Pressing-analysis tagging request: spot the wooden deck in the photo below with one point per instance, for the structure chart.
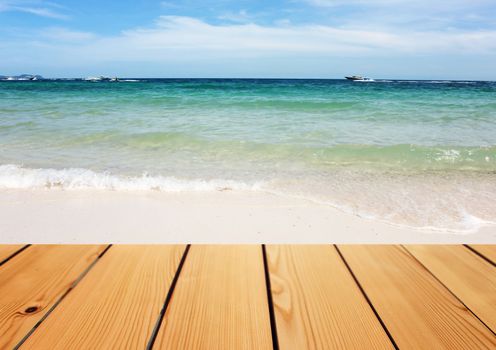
(247, 297)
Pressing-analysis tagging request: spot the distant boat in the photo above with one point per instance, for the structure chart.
(93, 79)
(359, 78)
(22, 77)
(100, 78)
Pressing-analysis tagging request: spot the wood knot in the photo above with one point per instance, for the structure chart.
(31, 309)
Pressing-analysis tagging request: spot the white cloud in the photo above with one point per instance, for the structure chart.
(38, 8)
(64, 34)
(445, 4)
(40, 11)
(184, 44)
(169, 5)
(427, 14)
(192, 35)
(186, 33)
(241, 16)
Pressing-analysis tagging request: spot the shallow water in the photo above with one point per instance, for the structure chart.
(417, 153)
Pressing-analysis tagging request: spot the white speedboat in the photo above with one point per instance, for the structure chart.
(359, 78)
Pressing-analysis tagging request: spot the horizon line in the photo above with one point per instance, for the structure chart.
(244, 78)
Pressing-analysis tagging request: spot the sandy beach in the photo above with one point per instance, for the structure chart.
(85, 216)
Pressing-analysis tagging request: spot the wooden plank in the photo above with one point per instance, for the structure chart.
(33, 281)
(118, 303)
(6, 250)
(470, 278)
(487, 250)
(419, 312)
(220, 301)
(317, 303)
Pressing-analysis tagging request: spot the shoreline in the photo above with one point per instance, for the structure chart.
(86, 216)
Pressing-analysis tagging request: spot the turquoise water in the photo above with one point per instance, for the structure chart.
(418, 153)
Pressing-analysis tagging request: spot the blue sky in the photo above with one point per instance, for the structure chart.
(422, 39)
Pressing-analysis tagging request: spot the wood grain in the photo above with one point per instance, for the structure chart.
(220, 301)
(419, 312)
(470, 278)
(33, 281)
(317, 303)
(116, 305)
(487, 250)
(6, 250)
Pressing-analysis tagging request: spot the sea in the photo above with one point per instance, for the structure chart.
(416, 153)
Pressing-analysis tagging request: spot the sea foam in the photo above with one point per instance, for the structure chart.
(17, 177)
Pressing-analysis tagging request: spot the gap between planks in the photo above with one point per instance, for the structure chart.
(34, 281)
(486, 252)
(417, 309)
(9, 251)
(266, 267)
(471, 279)
(116, 305)
(220, 301)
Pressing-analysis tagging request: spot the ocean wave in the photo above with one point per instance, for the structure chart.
(430, 202)
(17, 177)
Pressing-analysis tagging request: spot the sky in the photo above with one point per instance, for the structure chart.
(418, 39)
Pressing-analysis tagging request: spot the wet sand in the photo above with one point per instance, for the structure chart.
(59, 216)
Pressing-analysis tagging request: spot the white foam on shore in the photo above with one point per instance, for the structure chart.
(16, 177)
(468, 225)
